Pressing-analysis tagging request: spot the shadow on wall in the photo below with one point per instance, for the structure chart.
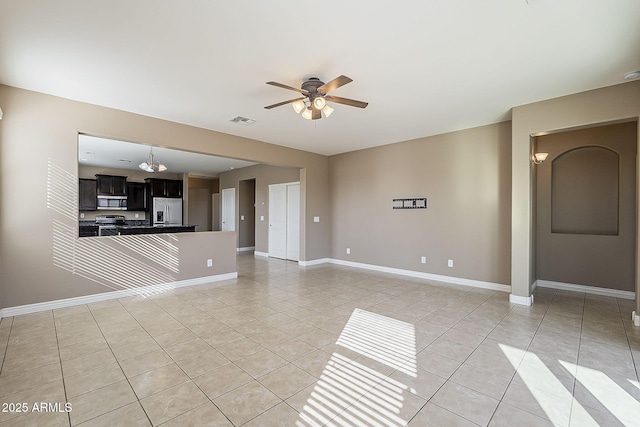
(118, 263)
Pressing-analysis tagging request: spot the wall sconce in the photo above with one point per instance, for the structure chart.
(538, 158)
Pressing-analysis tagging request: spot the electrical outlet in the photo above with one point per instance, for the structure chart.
(82, 215)
(423, 260)
(450, 263)
(209, 262)
(348, 251)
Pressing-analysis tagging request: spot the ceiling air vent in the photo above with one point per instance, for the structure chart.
(242, 121)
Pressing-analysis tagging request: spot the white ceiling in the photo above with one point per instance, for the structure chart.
(425, 67)
(94, 151)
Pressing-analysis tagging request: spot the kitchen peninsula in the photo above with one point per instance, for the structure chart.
(113, 225)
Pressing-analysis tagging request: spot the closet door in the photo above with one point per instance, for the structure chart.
(284, 221)
(278, 221)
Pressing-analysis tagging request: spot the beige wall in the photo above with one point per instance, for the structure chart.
(611, 104)
(465, 177)
(43, 130)
(585, 255)
(264, 175)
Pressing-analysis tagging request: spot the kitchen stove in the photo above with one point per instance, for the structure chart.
(107, 224)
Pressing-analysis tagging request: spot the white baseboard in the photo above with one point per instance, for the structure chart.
(635, 318)
(615, 293)
(247, 249)
(516, 299)
(314, 262)
(88, 299)
(418, 274)
(262, 254)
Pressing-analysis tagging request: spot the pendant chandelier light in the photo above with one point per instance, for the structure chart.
(150, 166)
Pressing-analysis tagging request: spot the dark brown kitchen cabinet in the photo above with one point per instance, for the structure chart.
(111, 185)
(174, 188)
(164, 187)
(157, 187)
(87, 190)
(136, 196)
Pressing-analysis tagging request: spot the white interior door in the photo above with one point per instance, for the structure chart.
(284, 221)
(278, 221)
(293, 222)
(229, 209)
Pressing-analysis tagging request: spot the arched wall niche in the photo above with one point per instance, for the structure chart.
(585, 191)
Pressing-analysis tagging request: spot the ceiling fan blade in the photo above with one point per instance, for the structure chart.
(346, 101)
(268, 107)
(334, 84)
(304, 92)
(315, 113)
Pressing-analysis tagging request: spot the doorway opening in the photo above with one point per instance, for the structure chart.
(247, 215)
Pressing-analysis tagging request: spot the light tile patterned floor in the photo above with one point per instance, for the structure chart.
(327, 345)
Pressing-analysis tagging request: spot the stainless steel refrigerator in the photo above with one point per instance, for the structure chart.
(167, 211)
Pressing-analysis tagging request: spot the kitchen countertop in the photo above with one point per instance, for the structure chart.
(154, 226)
(150, 229)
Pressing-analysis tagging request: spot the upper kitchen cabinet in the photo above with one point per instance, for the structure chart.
(88, 194)
(111, 185)
(164, 187)
(136, 196)
(174, 188)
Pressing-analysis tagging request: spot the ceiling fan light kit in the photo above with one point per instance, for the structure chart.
(319, 102)
(314, 101)
(327, 111)
(307, 114)
(298, 106)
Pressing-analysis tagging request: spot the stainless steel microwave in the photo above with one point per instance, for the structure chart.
(112, 203)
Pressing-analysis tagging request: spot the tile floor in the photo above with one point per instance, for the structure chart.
(327, 345)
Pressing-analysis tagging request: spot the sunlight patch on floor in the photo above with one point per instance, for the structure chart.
(352, 393)
(617, 401)
(549, 392)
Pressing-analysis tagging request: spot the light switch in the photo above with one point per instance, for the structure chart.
(261, 217)
(241, 217)
(316, 219)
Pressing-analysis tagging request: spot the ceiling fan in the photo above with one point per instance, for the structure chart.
(316, 96)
